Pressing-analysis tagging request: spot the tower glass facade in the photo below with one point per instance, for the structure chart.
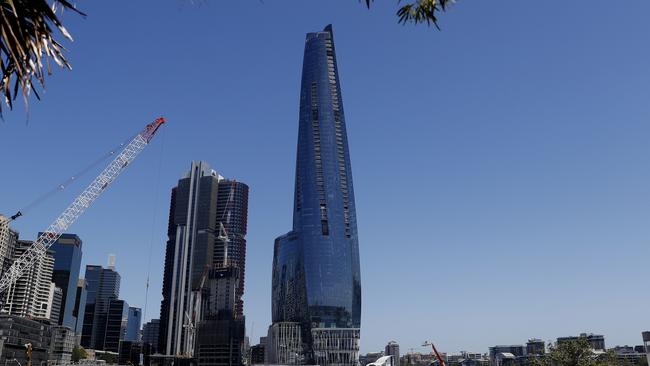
(316, 276)
(102, 286)
(204, 259)
(133, 325)
(67, 263)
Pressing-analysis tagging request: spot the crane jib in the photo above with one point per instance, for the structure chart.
(50, 235)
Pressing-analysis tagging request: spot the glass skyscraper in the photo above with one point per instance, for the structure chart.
(316, 279)
(205, 260)
(67, 264)
(103, 286)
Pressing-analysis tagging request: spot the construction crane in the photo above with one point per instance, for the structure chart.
(38, 250)
(440, 360)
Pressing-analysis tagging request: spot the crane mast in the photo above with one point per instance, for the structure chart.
(39, 249)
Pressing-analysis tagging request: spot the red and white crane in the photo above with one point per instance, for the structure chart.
(38, 250)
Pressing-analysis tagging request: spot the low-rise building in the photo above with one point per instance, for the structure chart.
(16, 332)
(597, 341)
(130, 353)
(62, 343)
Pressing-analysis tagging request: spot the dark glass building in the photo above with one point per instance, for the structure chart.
(67, 263)
(219, 342)
(150, 333)
(206, 233)
(116, 323)
(316, 276)
(232, 213)
(102, 286)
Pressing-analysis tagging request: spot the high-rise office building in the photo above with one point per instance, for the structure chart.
(190, 231)
(206, 233)
(150, 333)
(102, 286)
(32, 294)
(67, 263)
(117, 319)
(133, 325)
(316, 276)
(392, 349)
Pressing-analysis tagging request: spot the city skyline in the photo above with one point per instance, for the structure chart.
(487, 179)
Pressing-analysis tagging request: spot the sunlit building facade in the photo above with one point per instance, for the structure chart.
(316, 277)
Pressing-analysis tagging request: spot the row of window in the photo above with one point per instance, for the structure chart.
(339, 136)
(320, 181)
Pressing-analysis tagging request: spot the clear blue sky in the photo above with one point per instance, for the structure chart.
(501, 166)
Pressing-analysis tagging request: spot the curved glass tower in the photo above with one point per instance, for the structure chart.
(316, 279)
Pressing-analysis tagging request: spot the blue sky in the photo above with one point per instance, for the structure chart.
(500, 165)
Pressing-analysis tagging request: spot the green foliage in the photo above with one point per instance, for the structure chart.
(78, 353)
(28, 44)
(420, 11)
(576, 352)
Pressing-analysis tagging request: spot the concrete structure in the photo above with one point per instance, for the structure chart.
(596, 341)
(392, 349)
(628, 355)
(506, 353)
(32, 295)
(67, 264)
(316, 278)
(535, 346)
(62, 343)
(7, 245)
(15, 332)
(55, 299)
(646, 344)
(284, 344)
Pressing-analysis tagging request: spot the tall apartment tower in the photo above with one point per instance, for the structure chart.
(316, 277)
(7, 245)
(392, 349)
(207, 228)
(67, 263)
(32, 294)
(102, 286)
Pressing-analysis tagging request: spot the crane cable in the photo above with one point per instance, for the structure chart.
(153, 222)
